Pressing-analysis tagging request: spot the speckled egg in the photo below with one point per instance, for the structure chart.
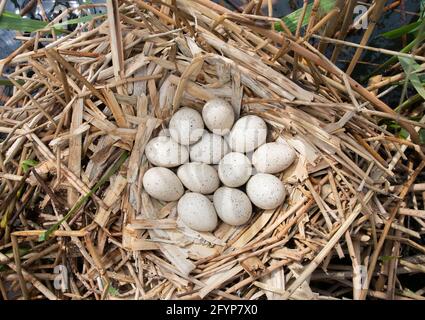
(199, 177)
(234, 169)
(273, 157)
(165, 152)
(210, 149)
(248, 133)
(266, 191)
(218, 116)
(162, 184)
(197, 212)
(186, 126)
(232, 206)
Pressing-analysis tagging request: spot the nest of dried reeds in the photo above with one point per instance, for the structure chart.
(72, 161)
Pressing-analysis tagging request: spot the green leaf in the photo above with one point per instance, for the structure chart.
(4, 82)
(113, 291)
(45, 235)
(422, 7)
(412, 100)
(291, 20)
(11, 21)
(409, 65)
(397, 33)
(394, 126)
(26, 164)
(76, 21)
(422, 136)
(387, 258)
(403, 134)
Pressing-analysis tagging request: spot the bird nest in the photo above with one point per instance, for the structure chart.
(72, 159)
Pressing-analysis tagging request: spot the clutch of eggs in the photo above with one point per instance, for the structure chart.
(206, 153)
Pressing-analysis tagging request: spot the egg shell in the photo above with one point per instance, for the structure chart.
(248, 133)
(197, 212)
(186, 126)
(210, 149)
(164, 133)
(165, 152)
(162, 184)
(232, 206)
(218, 116)
(198, 177)
(234, 169)
(266, 191)
(273, 157)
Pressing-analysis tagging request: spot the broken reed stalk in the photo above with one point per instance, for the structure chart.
(313, 15)
(348, 17)
(376, 252)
